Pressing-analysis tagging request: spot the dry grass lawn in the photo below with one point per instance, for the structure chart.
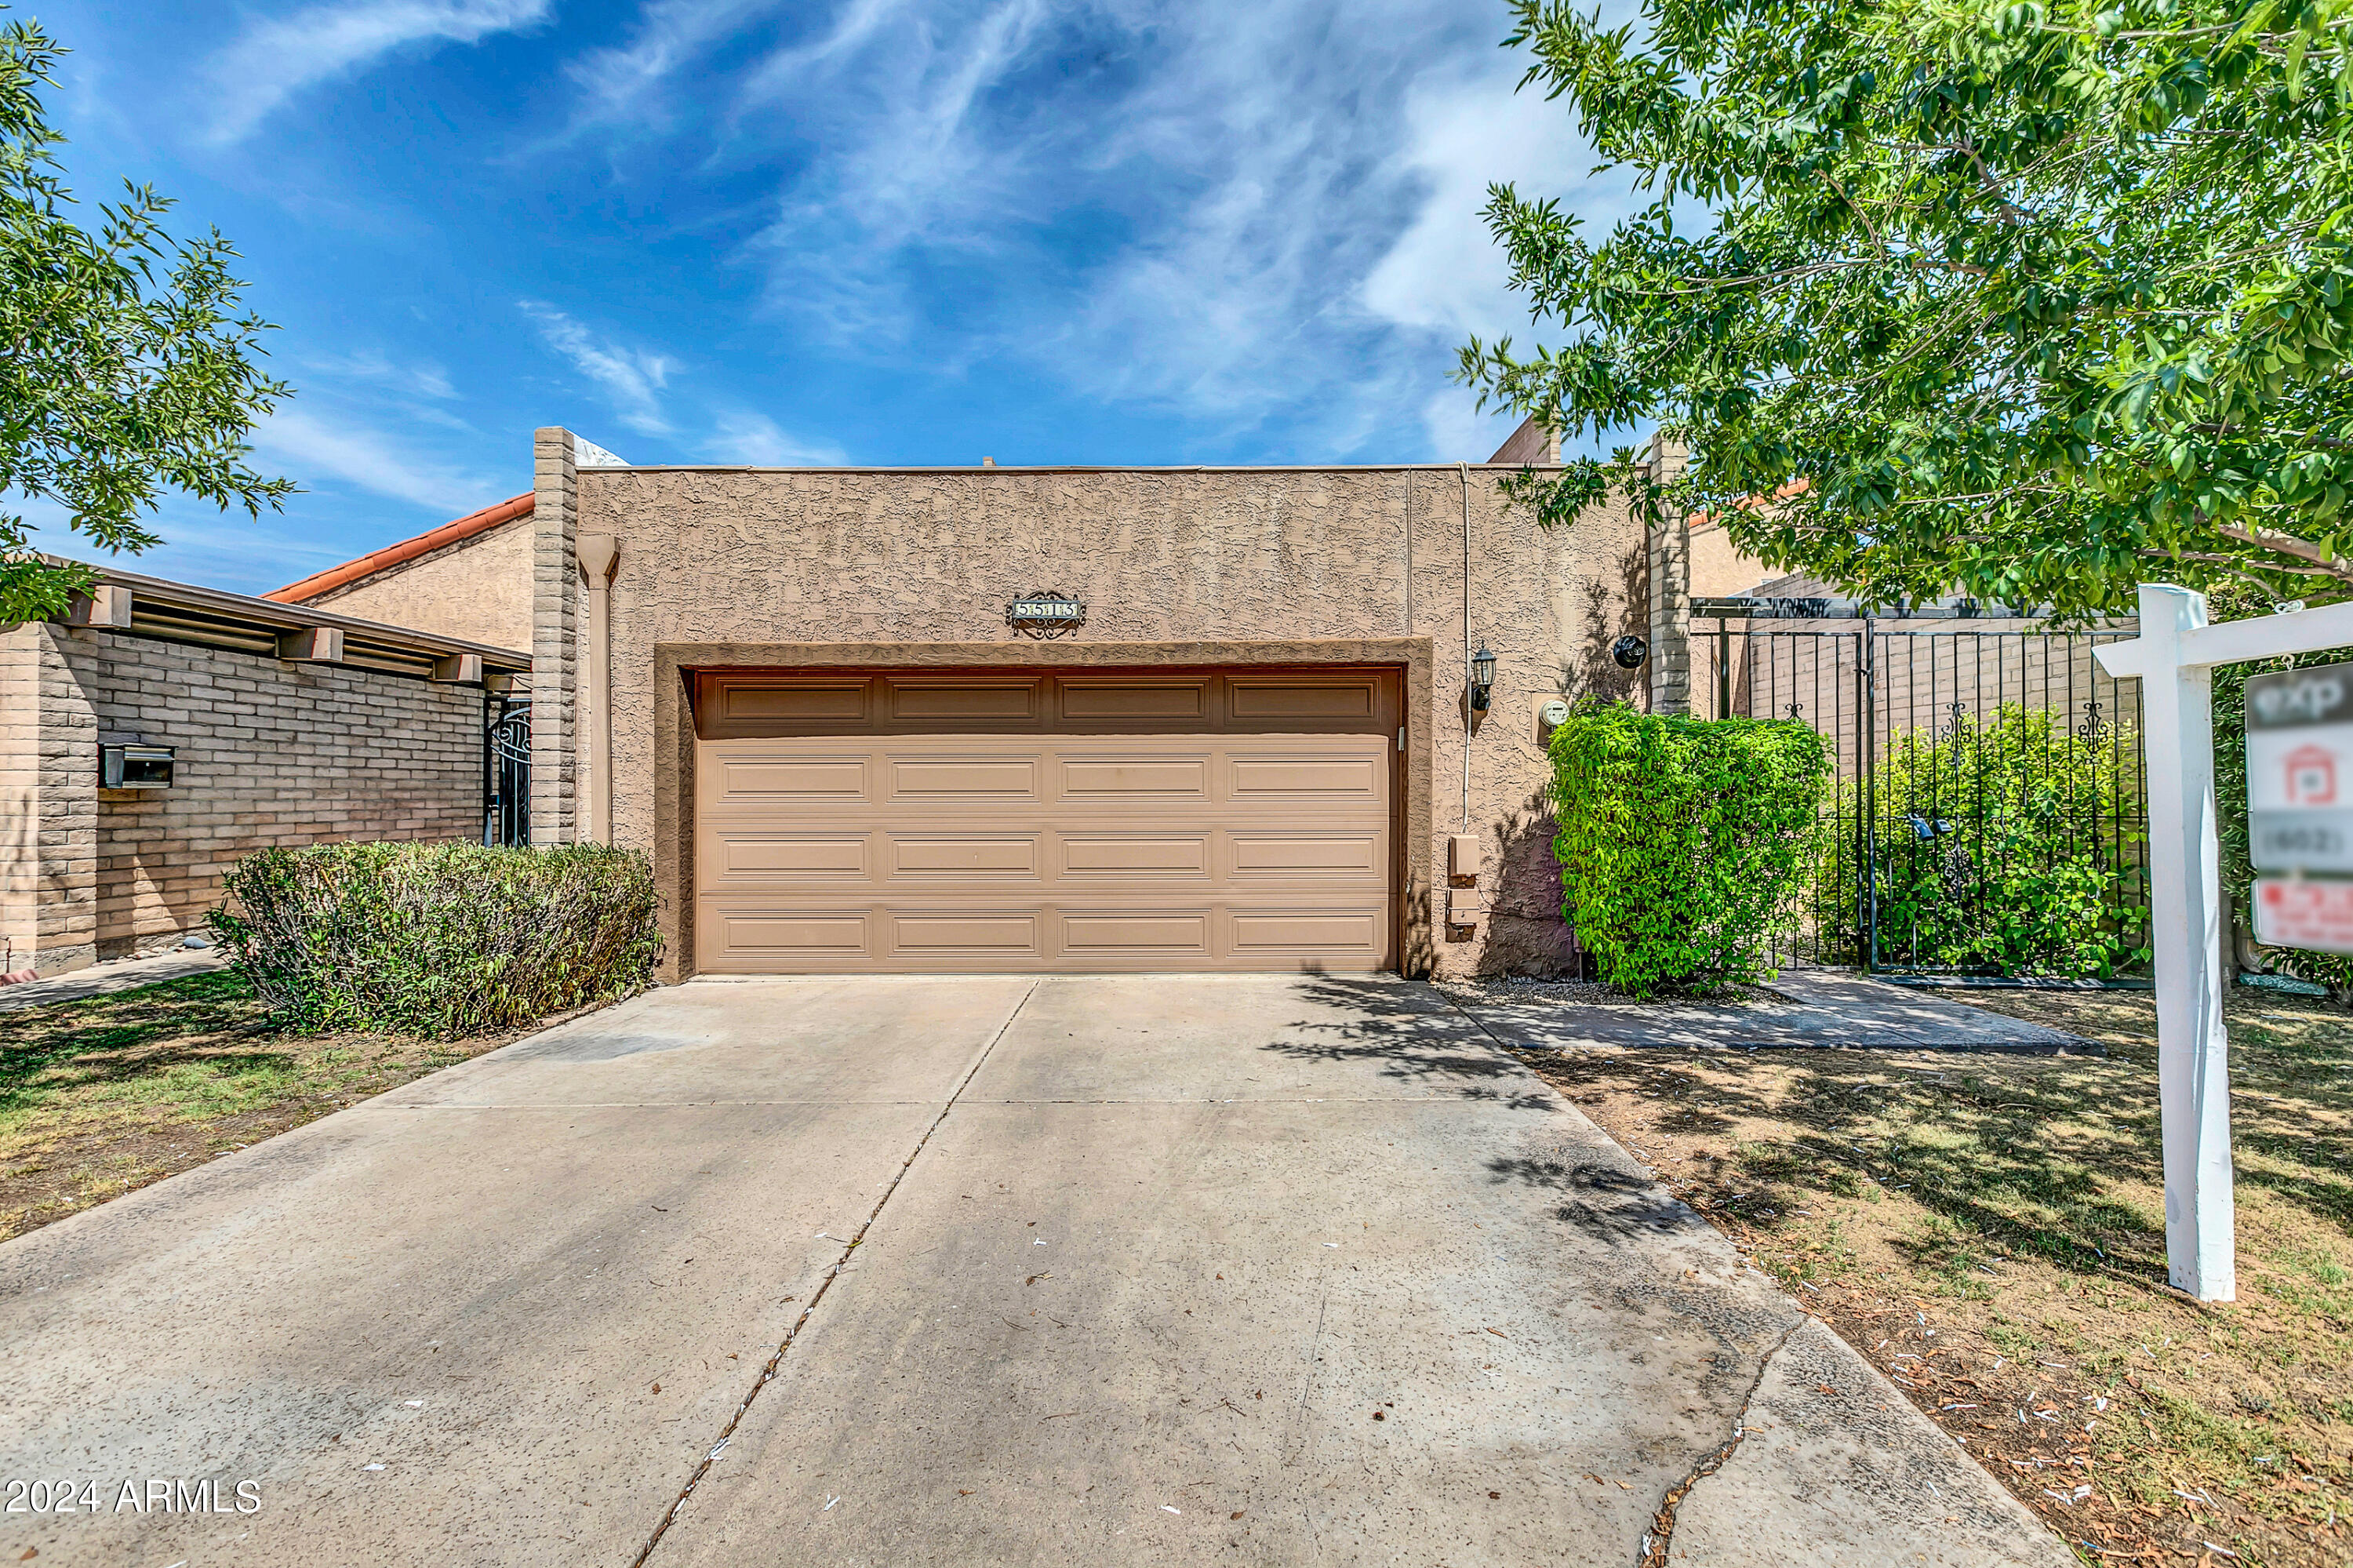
(102, 1095)
(1988, 1231)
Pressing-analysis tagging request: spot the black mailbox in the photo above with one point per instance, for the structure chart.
(134, 767)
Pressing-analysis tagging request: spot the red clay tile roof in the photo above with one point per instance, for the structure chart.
(465, 527)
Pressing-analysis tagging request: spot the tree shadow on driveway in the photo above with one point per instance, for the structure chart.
(1416, 1035)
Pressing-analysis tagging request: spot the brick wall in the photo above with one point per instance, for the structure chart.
(269, 752)
(48, 818)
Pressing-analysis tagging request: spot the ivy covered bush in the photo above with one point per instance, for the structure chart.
(2005, 843)
(442, 940)
(1683, 842)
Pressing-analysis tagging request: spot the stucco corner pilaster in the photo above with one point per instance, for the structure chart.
(1669, 559)
(554, 618)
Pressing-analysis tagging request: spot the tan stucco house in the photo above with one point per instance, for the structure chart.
(1079, 718)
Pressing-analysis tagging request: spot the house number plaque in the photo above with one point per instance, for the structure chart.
(1049, 614)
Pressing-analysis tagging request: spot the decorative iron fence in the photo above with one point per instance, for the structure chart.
(506, 771)
(1988, 812)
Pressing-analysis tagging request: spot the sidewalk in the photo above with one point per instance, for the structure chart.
(1806, 1009)
(122, 974)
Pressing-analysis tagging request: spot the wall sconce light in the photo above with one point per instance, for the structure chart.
(1483, 679)
(1629, 652)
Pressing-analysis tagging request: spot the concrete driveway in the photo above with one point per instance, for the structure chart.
(1153, 1269)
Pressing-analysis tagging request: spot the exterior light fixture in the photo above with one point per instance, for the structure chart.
(1482, 678)
(1630, 652)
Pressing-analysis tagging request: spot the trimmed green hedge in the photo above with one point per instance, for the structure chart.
(1681, 841)
(441, 940)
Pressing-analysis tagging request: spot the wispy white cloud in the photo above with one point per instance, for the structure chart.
(757, 441)
(277, 57)
(632, 379)
(632, 81)
(1274, 202)
(315, 449)
(911, 159)
(418, 378)
(1462, 134)
(1257, 217)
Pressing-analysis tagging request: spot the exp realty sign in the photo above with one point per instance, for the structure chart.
(2300, 806)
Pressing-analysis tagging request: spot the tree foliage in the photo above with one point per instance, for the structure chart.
(124, 366)
(2039, 301)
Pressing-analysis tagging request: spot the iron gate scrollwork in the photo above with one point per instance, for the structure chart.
(1988, 811)
(506, 771)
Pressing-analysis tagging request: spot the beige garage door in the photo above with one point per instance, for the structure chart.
(1211, 819)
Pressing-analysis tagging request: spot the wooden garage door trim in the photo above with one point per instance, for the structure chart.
(744, 705)
(1220, 817)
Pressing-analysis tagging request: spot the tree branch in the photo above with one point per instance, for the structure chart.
(2287, 544)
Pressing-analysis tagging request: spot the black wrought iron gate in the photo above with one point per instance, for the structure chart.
(1988, 814)
(506, 770)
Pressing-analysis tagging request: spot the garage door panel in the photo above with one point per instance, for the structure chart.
(1099, 702)
(950, 778)
(1157, 855)
(1347, 698)
(843, 701)
(974, 701)
(754, 781)
(757, 856)
(951, 935)
(968, 856)
(1114, 780)
(1359, 856)
(1349, 932)
(1129, 933)
(761, 936)
(1321, 777)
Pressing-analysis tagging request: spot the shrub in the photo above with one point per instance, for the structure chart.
(1681, 841)
(2007, 844)
(442, 940)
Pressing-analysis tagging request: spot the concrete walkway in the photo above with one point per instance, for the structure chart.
(1154, 1269)
(1808, 1010)
(118, 974)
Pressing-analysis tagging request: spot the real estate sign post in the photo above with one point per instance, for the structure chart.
(2174, 657)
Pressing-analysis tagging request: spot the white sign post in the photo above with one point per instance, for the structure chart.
(2174, 657)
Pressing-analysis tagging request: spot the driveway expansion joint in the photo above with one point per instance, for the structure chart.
(1659, 1537)
(768, 1371)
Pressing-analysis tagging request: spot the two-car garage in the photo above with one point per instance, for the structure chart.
(1091, 819)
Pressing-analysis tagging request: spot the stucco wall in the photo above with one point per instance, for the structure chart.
(1232, 556)
(1718, 569)
(478, 589)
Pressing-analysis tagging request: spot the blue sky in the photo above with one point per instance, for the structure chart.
(869, 231)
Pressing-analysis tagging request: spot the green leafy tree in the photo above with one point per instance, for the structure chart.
(124, 366)
(2039, 301)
